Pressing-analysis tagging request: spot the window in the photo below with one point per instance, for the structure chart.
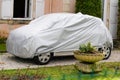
(21, 9)
(13, 9)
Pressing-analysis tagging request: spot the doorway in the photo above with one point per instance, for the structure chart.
(21, 8)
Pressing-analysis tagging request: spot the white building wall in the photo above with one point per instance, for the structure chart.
(113, 18)
(0, 8)
(110, 16)
(40, 7)
(69, 6)
(7, 9)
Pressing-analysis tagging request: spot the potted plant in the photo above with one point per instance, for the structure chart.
(88, 58)
(87, 53)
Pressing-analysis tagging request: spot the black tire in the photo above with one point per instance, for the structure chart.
(43, 58)
(107, 52)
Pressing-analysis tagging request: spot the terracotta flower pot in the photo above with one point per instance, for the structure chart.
(88, 58)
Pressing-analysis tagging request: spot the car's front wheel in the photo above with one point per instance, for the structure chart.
(43, 58)
(107, 52)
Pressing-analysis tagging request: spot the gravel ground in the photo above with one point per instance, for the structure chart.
(8, 61)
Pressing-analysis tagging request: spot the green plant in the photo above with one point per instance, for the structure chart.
(67, 72)
(91, 7)
(2, 45)
(118, 29)
(87, 48)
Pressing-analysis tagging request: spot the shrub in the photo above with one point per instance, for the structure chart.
(91, 7)
(87, 48)
(118, 31)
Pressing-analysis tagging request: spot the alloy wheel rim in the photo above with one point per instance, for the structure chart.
(44, 57)
(107, 52)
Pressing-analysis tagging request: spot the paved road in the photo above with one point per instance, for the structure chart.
(8, 61)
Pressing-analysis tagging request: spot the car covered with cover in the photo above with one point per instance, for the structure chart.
(53, 33)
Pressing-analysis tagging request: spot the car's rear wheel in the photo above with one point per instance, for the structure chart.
(43, 58)
(107, 52)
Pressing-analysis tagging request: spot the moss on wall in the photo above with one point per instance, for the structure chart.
(91, 7)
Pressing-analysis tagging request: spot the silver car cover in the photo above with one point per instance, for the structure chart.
(57, 32)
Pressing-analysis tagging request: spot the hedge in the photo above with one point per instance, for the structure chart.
(91, 7)
(118, 30)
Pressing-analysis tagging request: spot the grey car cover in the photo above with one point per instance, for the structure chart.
(57, 32)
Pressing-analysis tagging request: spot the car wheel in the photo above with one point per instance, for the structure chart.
(43, 58)
(107, 52)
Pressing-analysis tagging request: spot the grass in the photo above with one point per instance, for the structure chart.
(2, 46)
(111, 71)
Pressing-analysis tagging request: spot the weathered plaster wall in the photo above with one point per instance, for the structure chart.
(0, 7)
(57, 6)
(52, 6)
(34, 9)
(69, 6)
